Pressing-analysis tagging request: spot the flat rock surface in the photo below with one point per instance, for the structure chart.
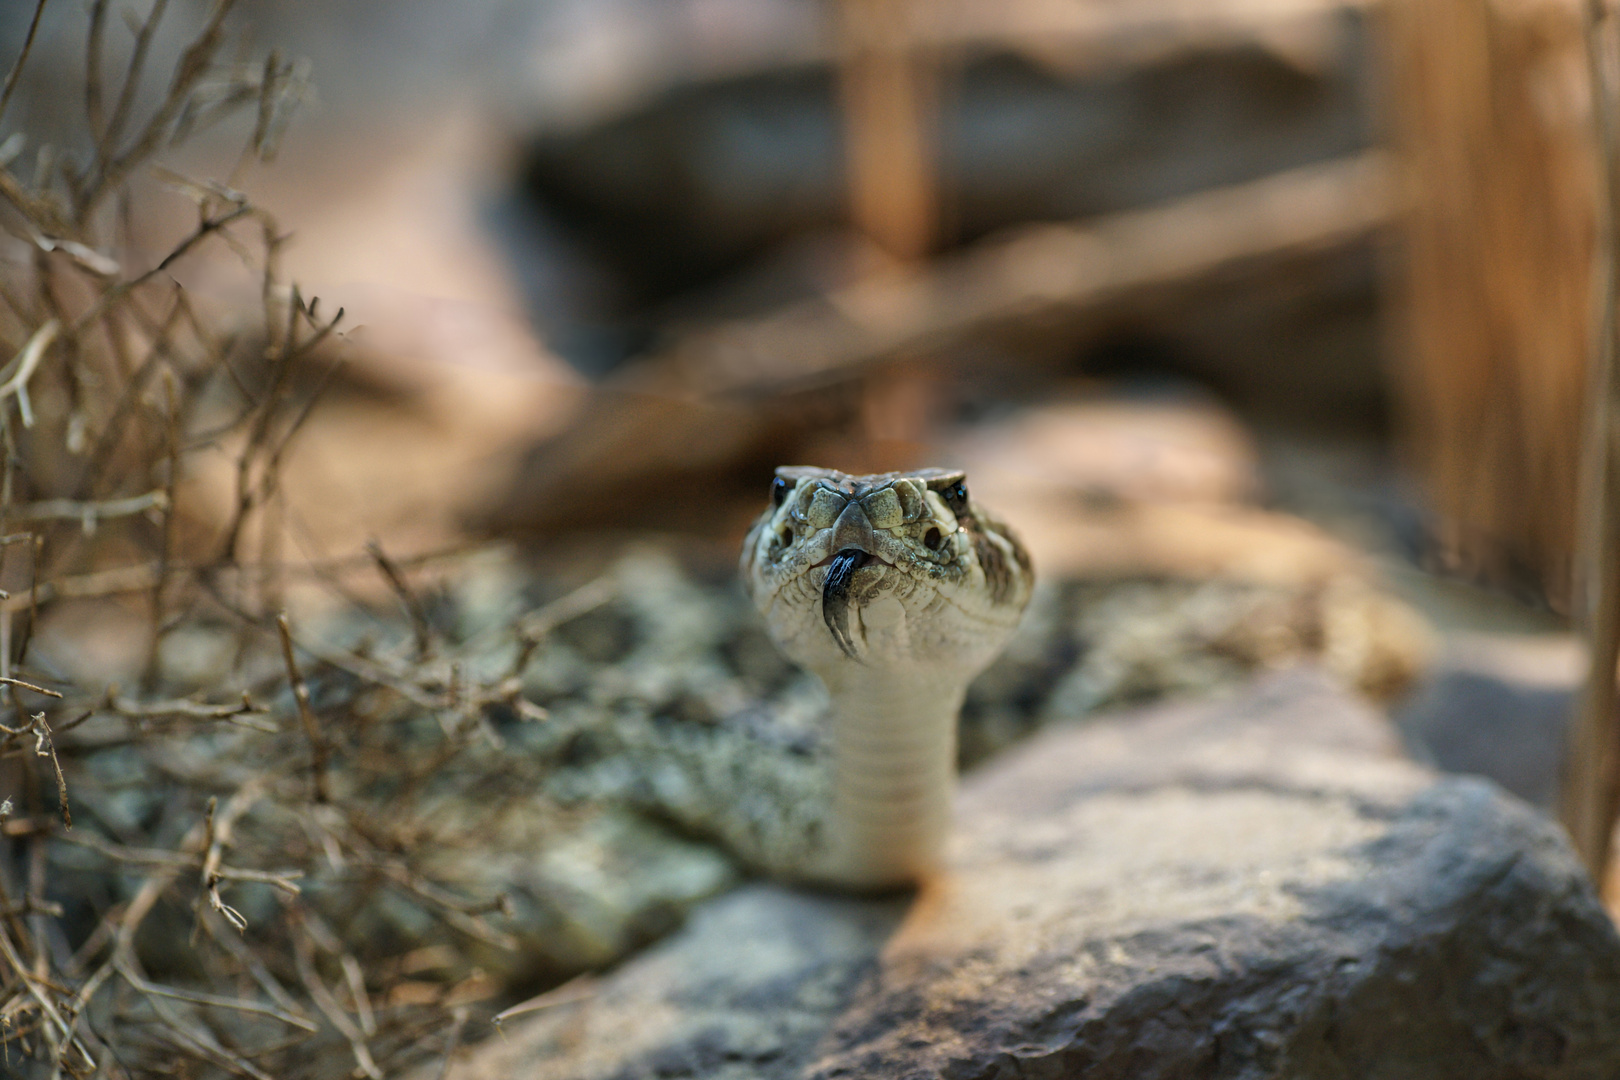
(1254, 888)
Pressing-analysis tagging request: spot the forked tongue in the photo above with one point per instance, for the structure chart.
(835, 601)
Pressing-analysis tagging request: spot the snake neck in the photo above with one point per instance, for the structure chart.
(893, 775)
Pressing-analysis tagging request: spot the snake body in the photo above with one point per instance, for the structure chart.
(895, 589)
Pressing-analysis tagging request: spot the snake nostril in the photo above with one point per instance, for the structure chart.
(932, 539)
(784, 535)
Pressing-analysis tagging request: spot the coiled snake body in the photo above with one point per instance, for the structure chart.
(896, 589)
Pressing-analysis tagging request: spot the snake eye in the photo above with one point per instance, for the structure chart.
(955, 497)
(779, 491)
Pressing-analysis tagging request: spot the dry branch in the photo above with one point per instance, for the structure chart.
(194, 804)
(304, 954)
(703, 407)
(22, 58)
(121, 383)
(420, 626)
(1044, 269)
(22, 368)
(318, 750)
(87, 514)
(579, 988)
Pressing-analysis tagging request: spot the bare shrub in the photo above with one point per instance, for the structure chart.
(173, 866)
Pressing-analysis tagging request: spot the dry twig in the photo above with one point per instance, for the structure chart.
(260, 831)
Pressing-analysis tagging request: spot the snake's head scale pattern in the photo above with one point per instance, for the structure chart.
(901, 571)
(896, 589)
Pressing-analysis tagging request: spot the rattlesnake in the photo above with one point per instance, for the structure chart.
(895, 589)
(670, 703)
(672, 700)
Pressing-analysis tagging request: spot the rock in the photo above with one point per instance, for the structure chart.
(747, 989)
(611, 884)
(1140, 640)
(1174, 447)
(1246, 890)
(1498, 706)
(1254, 888)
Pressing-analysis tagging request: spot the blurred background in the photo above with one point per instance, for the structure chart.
(1253, 289)
(1267, 323)
(612, 260)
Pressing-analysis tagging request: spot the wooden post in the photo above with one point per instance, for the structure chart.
(1591, 781)
(889, 90)
(1490, 109)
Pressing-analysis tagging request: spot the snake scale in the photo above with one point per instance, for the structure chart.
(895, 589)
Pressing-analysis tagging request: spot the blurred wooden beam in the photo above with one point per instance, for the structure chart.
(1491, 118)
(1098, 36)
(727, 402)
(887, 80)
(1039, 272)
(1591, 780)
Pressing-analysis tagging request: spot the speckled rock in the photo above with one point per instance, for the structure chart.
(1254, 888)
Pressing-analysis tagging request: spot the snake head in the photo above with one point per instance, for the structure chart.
(899, 570)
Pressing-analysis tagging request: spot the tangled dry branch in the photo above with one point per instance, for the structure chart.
(176, 866)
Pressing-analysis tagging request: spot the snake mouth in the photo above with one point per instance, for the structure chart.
(835, 598)
(870, 559)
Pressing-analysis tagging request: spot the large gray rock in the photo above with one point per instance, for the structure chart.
(1257, 888)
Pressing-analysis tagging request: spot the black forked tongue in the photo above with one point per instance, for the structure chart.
(835, 595)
